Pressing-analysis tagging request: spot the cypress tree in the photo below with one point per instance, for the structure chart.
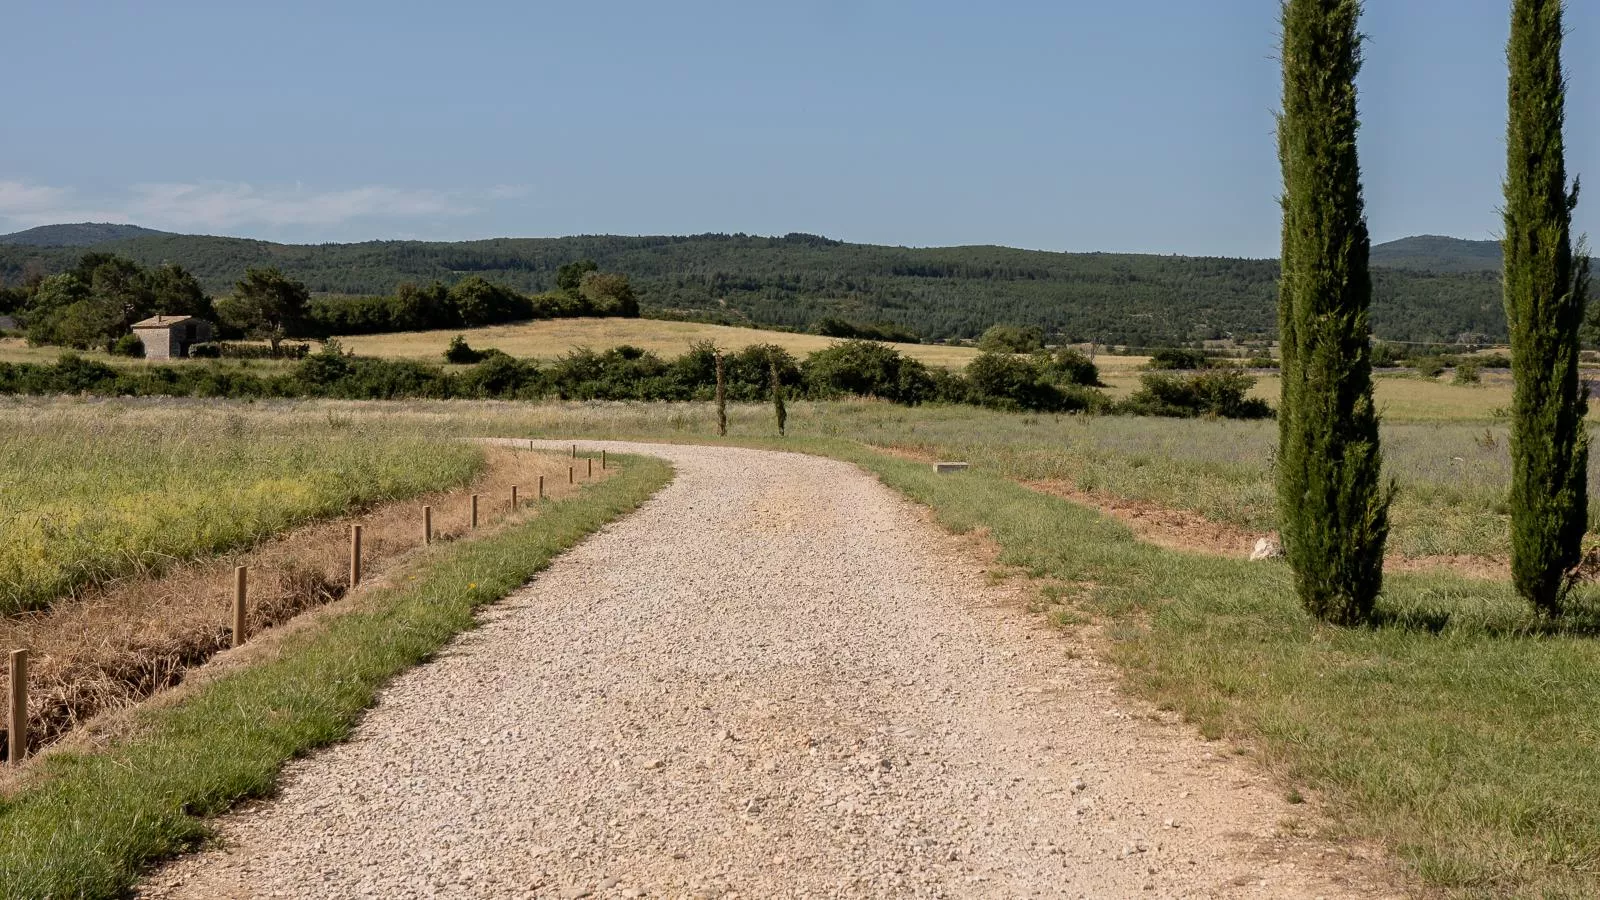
(1333, 503)
(777, 397)
(722, 398)
(1546, 285)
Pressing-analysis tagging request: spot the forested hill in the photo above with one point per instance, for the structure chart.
(795, 280)
(82, 234)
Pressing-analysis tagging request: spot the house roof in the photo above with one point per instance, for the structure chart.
(165, 321)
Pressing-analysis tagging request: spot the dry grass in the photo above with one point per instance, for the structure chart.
(122, 642)
(549, 339)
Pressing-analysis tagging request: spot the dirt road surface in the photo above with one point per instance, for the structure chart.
(777, 679)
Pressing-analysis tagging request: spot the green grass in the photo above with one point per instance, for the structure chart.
(90, 822)
(1462, 733)
(95, 490)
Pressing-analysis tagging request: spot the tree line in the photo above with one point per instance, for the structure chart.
(794, 281)
(1333, 497)
(1059, 381)
(93, 304)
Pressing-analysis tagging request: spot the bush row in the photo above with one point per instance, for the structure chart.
(1043, 382)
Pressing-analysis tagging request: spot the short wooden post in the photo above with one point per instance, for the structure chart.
(590, 473)
(18, 724)
(602, 460)
(541, 487)
(355, 555)
(241, 587)
(427, 525)
(513, 498)
(572, 477)
(574, 451)
(474, 510)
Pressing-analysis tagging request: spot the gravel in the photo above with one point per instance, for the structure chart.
(776, 679)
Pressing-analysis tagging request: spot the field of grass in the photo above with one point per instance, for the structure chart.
(84, 824)
(549, 339)
(1460, 731)
(94, 490)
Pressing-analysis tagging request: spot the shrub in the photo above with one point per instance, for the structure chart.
(1178, 358)
(1069, 365)
(127, 345)
(459, 353)
(1217, 393)
(1467, 374)
(867, 369)
(1012, 339)
(1429, 366)
(1006, 381)
(205, 350)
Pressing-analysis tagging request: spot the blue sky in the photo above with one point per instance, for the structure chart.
(1142, 125)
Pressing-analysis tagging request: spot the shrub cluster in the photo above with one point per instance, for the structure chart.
(877, 331)
(470, 303)
(1063, 381)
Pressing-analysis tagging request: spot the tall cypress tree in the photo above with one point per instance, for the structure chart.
(1546, 285)
(1333, 503)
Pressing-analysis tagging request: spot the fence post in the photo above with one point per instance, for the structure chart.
(427, 525)
(241, 587)
(602, 460)
(355, 555)
(18, 734)
(590, 473)
(572, 477)
(541, 487)
(474, 510)
(513, 498)
(574, 451)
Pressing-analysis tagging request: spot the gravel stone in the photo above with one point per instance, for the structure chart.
(777, 679)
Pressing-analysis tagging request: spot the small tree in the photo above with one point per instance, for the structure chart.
(609, 294)
(268, 305)
(1546, 285)
(777, 398)
(722, 398)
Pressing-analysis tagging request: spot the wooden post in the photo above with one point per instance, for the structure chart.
(241, 587)
(541, 487)
(474, 510)
(513, 498)
(602, 460)
(427, 525)
(590, 473)
(572, 475)
(574, 451)
(18, 734)
(355, 555)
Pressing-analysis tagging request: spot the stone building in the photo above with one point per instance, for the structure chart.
(170, 337)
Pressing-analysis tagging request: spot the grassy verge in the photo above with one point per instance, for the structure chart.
(1461, 733)
(89, 822)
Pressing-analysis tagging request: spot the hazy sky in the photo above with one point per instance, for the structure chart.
(1141, 125)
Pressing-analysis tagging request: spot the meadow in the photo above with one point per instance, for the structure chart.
(1458, 731)
(102, 489)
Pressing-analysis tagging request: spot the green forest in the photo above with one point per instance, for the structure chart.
(796, 280)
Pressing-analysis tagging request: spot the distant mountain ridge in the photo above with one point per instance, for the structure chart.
(1437, 253)
(795, 280)
(81, 234)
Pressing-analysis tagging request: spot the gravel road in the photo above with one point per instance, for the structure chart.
(776, 679)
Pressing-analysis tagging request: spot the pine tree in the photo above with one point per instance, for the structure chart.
(777, 398)
(722, 398)
(1546, 285)
(1333, 503)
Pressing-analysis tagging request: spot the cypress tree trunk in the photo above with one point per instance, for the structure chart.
(777, 398)
(1333, 503)
(1545, 290)
(722, 399)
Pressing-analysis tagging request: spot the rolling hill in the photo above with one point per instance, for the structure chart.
(82, 234)
(793, 281)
